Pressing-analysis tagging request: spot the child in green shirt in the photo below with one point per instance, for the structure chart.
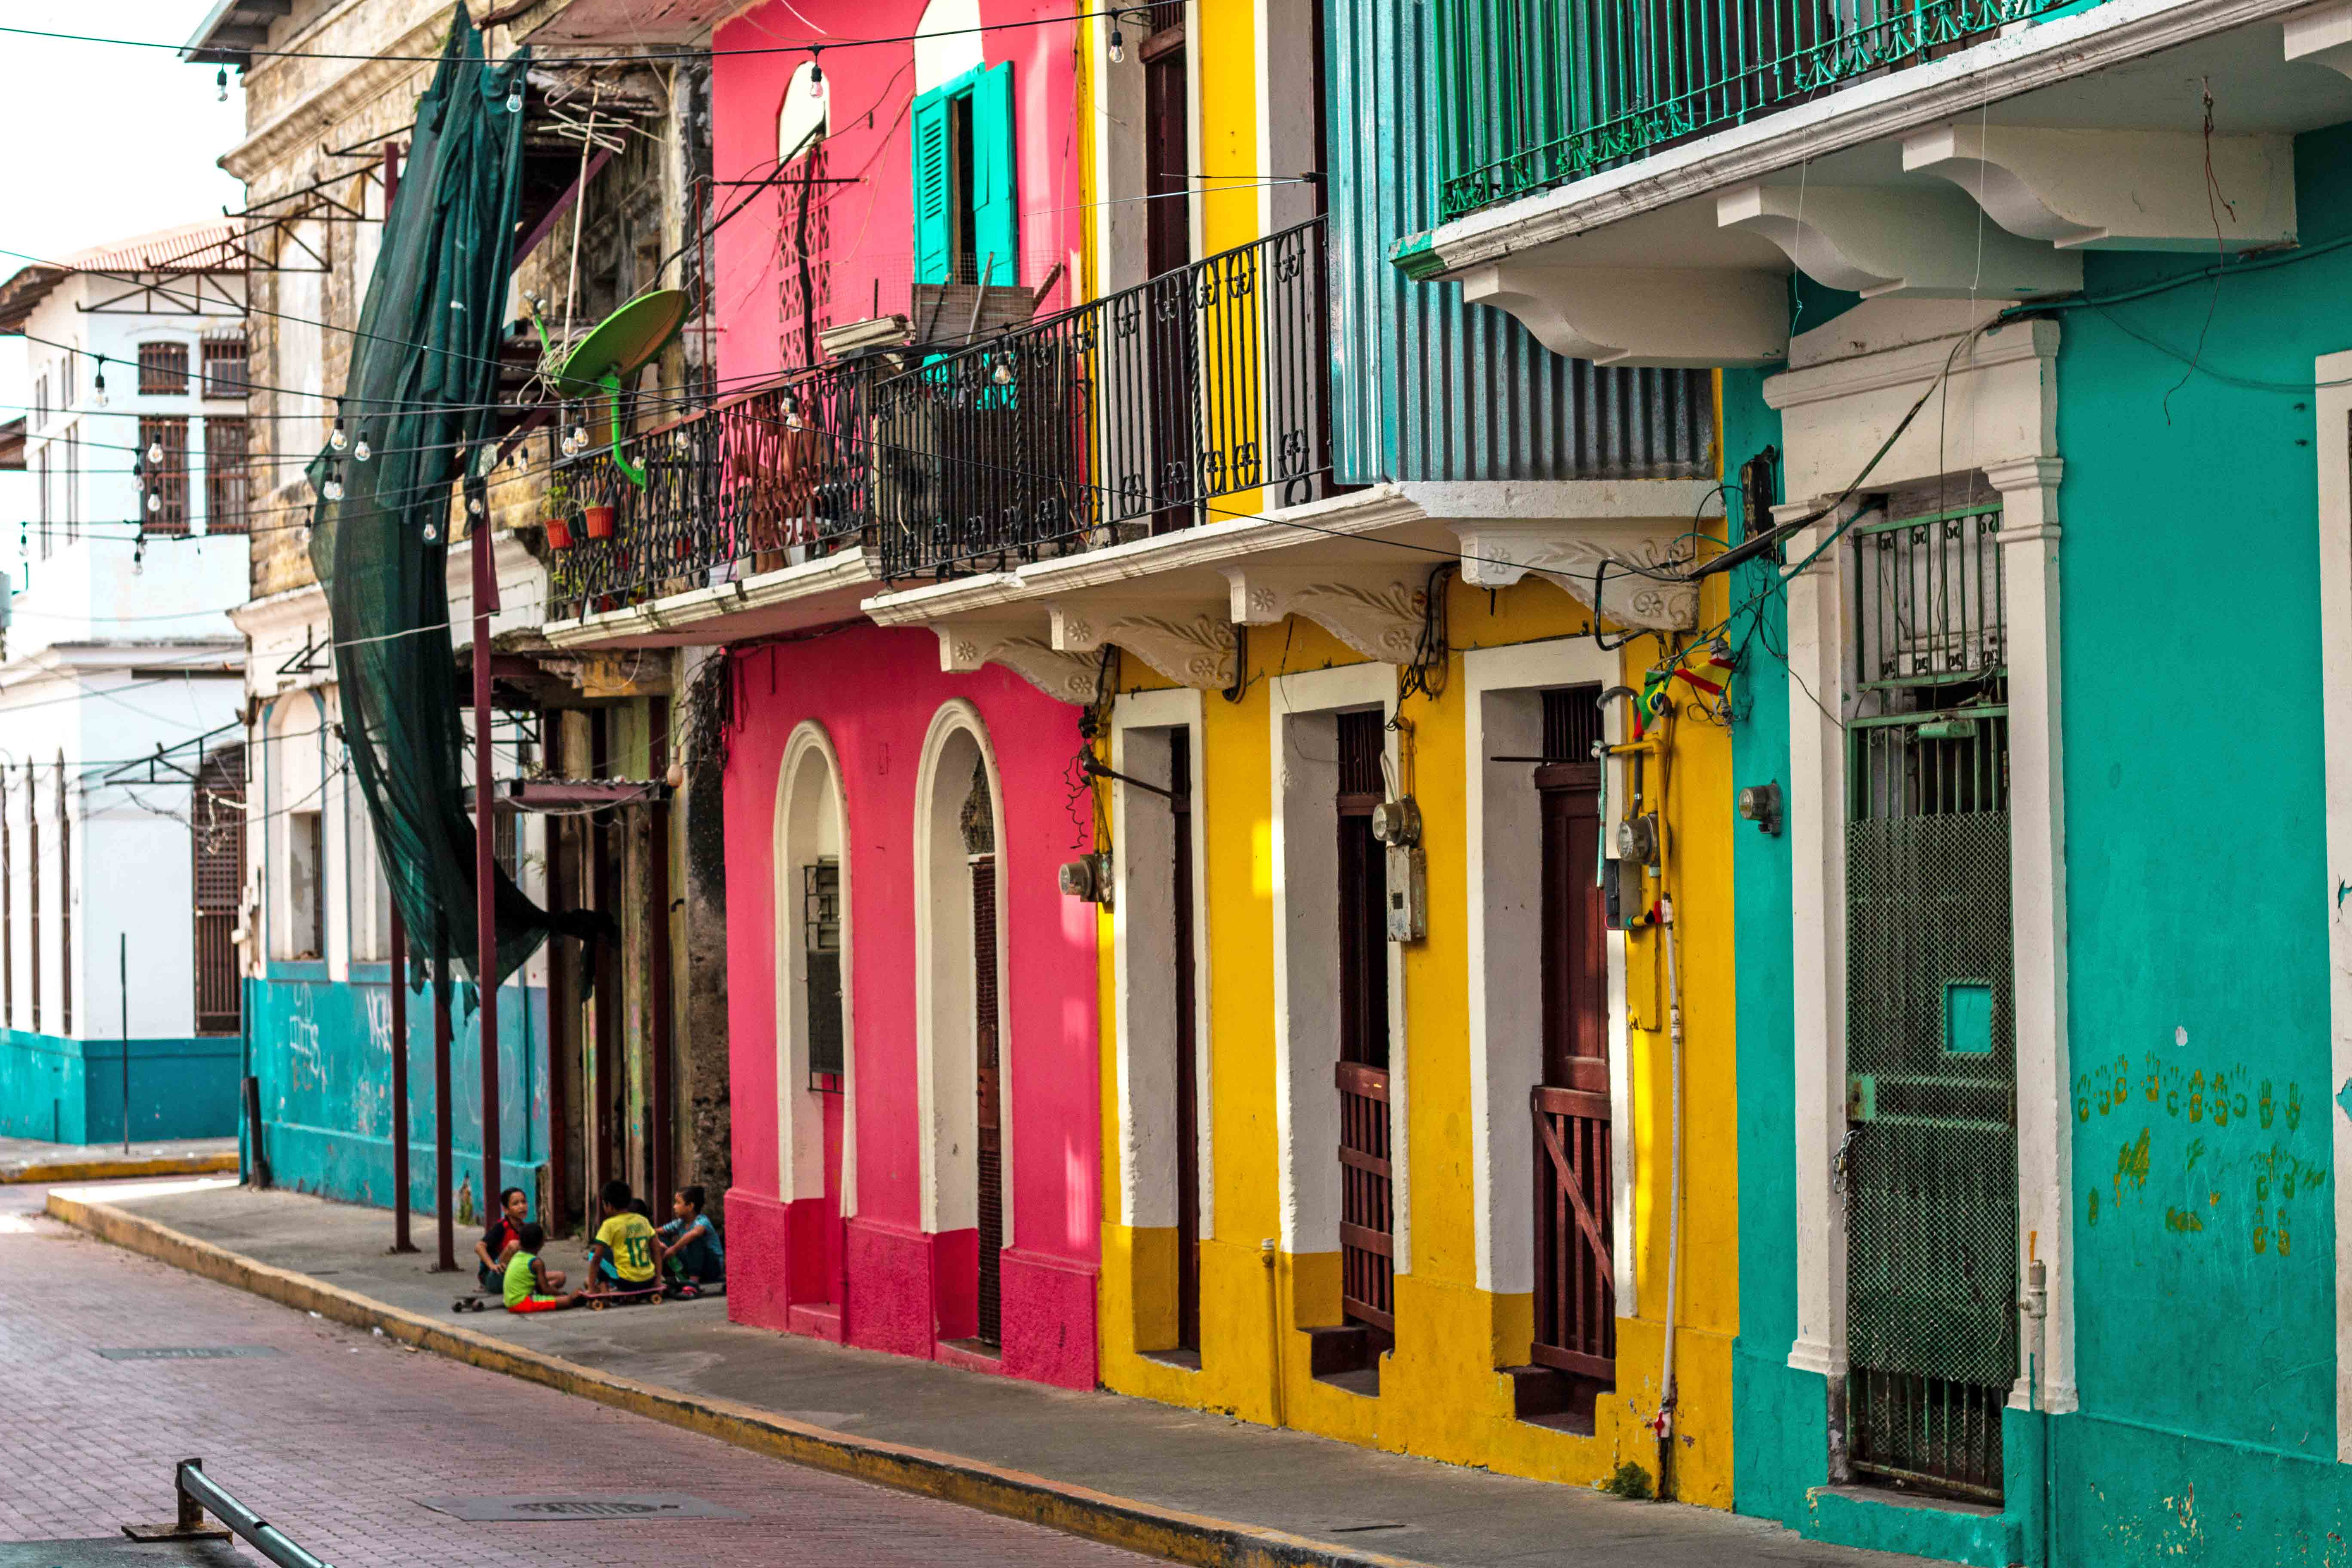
(530, 1285)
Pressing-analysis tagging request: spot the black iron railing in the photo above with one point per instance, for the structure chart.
(1135, 413)
(757, 481)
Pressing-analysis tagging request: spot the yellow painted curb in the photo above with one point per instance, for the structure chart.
(1118, 1522)
(115, 1170)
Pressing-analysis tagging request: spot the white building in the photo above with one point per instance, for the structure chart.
(122, 681)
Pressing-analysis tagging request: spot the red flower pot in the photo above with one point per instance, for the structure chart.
(559, 534)
(600, 521)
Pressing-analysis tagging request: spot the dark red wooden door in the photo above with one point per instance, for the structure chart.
(1367, 1193)
(1576, 1307)
(217, 828)
(1188, 1106)
(989, 1141)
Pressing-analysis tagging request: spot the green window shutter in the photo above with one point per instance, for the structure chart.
(932, 180)
(996, 221)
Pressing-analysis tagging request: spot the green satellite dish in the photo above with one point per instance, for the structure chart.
(619, 346)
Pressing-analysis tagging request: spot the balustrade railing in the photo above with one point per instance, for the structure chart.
(1135, 413)
(752, 482)
(1546, 91)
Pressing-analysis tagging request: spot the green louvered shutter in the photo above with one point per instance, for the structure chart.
(996, 223)
(933, 185)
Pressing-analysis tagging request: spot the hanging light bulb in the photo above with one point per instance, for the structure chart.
(154, 501)
(335, 490)
(363, 451)
(1117, 46)
(1003, 373)
(155, 452)
(816, 74)
(336, 438)
(98, 387)
(222, 81)
(474, 505)
(675, 775)
(432, 532)
(579, 437)
(514, 101)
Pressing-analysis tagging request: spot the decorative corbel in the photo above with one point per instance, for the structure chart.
(2118, 190)
(1378, 611)
(1631, 579)
(966, 646)
(1674, 318)
(1195, 650)
(1925, 244)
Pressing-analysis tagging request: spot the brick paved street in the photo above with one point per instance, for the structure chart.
(337, 1436)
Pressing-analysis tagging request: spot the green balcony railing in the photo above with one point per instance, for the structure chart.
(1546, 91)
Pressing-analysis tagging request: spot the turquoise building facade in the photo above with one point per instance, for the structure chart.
(2036, 388)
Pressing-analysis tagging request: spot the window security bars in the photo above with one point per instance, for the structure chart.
(225, 367)
(164, 486)
(1546, 91)
(821, 950)
(1929, 1171)
(228, 476)
(164, 370)
(750, 484)
(1128, 416)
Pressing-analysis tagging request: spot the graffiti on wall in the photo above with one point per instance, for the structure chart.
(2224, 1163)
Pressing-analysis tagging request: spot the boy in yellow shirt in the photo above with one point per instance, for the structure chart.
(622, 1255)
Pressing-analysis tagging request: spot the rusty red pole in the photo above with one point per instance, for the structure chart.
(443, 1204)
(400, 1241)
(486, 906)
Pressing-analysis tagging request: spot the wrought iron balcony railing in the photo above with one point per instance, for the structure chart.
(751, 483)
(1134, 414)
(1546, 91)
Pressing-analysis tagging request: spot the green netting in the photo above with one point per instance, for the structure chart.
(424, 375)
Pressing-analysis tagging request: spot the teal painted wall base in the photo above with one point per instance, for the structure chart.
(67, 1090)
(1982, 1536)
(323, 1052)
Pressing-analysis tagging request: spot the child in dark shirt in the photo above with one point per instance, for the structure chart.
(689, 1245)
(499, 1240)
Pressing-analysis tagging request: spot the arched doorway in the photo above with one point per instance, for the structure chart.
(960, 958)
(814, 1065)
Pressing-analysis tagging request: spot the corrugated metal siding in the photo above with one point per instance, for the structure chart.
(1424, 386)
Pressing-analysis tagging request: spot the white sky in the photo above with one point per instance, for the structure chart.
(99, 142)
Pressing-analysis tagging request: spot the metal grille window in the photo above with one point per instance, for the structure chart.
(1366, 1195)
(228, 482)
(164, 486)
(1929, 1165)
(164, 370)
(821, 947)
(216, 825)
(225, 367)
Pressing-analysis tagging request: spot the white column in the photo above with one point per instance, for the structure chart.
(2029, 548)
(1816, 816)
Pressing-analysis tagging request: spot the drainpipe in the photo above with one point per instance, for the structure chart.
(2035, 1525)
(1654, 745)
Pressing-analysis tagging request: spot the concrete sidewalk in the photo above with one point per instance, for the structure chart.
(30, 1160)
(1186, 1484)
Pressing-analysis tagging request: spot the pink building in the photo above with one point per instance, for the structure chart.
(911, 998)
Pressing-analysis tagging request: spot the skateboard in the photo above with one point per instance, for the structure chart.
(478, 1302)
(647, 1295)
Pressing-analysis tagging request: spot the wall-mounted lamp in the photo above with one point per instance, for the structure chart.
(1761, 804)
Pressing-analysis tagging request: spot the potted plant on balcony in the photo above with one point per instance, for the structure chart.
(558, 517)
(599, 520)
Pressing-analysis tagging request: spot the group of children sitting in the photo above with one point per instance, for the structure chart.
(628, 1258)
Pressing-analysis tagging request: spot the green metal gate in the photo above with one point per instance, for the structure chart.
(1928, 1168)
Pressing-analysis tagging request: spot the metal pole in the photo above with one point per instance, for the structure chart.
(258, 1532)
(486, 907)
(400, 1240)
(123, 970)
(442, 1202)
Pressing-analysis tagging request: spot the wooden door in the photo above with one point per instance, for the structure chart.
(217, 824)
(1367, 1195)
(1168, 252)
(1576, 1306)
(1188, 1109)
(988, 1142)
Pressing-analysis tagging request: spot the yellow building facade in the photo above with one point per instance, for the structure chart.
(1237, 658)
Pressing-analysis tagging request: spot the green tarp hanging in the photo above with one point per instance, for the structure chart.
(423, 377)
